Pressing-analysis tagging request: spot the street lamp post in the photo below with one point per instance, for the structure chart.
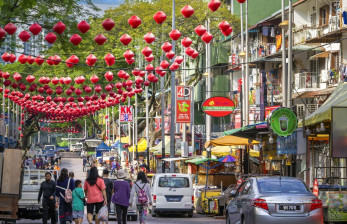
(208, 84)
(284, 81)
(290, 56)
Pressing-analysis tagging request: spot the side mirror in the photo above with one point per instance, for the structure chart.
(232, 193)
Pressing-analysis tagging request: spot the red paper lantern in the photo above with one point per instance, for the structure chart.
(139, 80)
(88, 89)
(129, 82)
(94, 79)
(121, 74)
(179, 59)
(174, 66)
(109, 59)
(100, 39)
(130, 61)
(39, 60)
(200, 30)
(51, 38)
(164, 64)
(17, 76)
(67, 80)
(224, 25)
(149, 38)
(186, 42)
(134, 21)
(146, 83)
(195, 54)
(30, 78)
(6, 57)
(5, 75)
(35, 29)
(91, 60)
(12, 58)
(158, 70)
(149, 58)
(213, 5)
(170, 55)
(175, 34)
(166, 47)
(136, 72)
(207, 37)
(24, 36)
(128, 54)
(55, 80)
(49, 60)
(59, 27)
(10, 28)
(126, 76)
(159, 17)
(108, 88)
(109, 76)
(83, 26)
(147, 51)
(75, 39)
(2, 33)
(31, 59)
(187, 11)
(56, 60)
(241, 1)
(108, 24)
(149, 67)
(119, 85)
(228, 32)
(22, 59)
(125, 39)
(151, 77)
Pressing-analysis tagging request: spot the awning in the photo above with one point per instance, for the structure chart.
(307, 47)
(228, 141)
(199, 160)
(175, 159)
(337, 98)
(324, 54)
(157, 150)
(141, 146)
(220, 151)
(249, 130)
(319, 137)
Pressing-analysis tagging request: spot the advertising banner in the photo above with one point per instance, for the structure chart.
(283, 122)
(183, 111)
(218, 106)
(126, 114)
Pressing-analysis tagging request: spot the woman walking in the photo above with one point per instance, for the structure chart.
(143, 192)
(65, 186)
(95, 193)
(121, 196)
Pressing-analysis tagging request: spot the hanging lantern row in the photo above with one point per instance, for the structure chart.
(71, 129)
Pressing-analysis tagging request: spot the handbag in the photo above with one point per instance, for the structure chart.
(84, 199)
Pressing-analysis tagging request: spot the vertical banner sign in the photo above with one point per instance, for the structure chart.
(126, 113)
(183, 104)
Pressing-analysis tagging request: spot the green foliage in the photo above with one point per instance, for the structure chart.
(63, 143)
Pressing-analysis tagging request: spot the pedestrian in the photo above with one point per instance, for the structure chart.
(47, 188)
(95, 192)
(109, 187)
(84, 163)
(143, 192)
(71, 175)
(65, 186)
(78, 203)
(121, 196)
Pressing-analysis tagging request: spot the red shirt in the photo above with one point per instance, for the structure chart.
(94, 194)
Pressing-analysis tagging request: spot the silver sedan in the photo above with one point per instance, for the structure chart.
(274, 200)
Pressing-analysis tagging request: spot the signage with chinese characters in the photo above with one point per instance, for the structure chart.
(218, 106)
(183, 104)
(283, 121)
(126, 113)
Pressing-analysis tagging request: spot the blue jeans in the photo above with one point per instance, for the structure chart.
(65, 211)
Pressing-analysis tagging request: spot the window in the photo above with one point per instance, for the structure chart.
(334, 60)
(324, 15)
(174, 182)
(282, 186)
(248, 188)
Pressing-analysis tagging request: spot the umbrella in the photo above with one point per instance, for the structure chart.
(227, 159)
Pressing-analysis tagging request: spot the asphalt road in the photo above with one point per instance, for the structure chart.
(75, 165)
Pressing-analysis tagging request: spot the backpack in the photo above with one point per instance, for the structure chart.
(141, 195)
(68, 193)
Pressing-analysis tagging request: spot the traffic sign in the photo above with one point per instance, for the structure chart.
(126, 113)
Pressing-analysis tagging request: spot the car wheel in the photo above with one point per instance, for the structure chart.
(190, 214)
(153, 214)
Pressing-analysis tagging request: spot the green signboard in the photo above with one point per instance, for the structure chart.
(283, 122)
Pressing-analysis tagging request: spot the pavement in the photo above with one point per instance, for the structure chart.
(75, 165)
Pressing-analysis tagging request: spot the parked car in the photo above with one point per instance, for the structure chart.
(172, 193)
(274, 200)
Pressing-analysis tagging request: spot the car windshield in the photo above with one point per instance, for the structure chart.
(174, 182)
(49, 147)
(283, 186)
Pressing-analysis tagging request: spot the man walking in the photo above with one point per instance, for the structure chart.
(47, 188)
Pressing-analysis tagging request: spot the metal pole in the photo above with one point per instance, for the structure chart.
(137, 153)
(290, 56)
(147, 123)
(119, 131)
(113, 121)
(208, 83)
(173, 98)
(284, 64)
(85, 128)
(192, 121)
(129, 132)
(13, 121)
(3, 117)
(162, 125)
(184, 126)
(242, 68)
(247, 70)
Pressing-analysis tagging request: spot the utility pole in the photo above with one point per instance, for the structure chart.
(247, 71)
(284, 64)
(3, 118)
(173, 98)
(290, 56)
(242, 70)
(208, 84)
(147, 123)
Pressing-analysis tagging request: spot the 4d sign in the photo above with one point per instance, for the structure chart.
(183, 104)
(218, 106)
(126, 113)
(283, 122)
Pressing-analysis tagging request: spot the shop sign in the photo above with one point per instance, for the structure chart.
(283, 122)
(183, 111)
(218, 106)
(126, 114)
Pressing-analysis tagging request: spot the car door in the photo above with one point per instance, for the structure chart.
(234, 206)
(246, 200)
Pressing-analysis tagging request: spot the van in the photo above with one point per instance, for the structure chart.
(172, 193)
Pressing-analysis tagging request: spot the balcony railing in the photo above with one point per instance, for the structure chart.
(306, 80)
(303, 34)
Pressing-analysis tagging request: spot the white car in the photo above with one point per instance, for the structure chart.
(172, 193)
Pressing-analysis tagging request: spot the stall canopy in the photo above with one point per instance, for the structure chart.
(221, 151)
(101, 148)
(199, 160)
(117, 144)
(141, 146)
(337, 98)
(156, 150)
(229, 140)
(227, 159)
(249, 131)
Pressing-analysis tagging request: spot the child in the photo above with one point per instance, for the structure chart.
(78, 202)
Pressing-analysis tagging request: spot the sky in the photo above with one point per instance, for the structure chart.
(105, 4)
